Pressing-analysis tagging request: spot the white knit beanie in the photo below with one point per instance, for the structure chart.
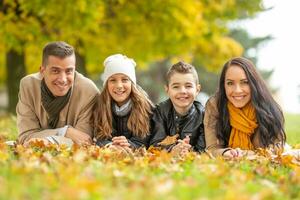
(119, 63)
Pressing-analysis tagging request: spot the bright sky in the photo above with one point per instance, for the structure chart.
(283, 53)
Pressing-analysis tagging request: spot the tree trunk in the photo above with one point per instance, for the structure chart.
(81, 64)
(15, 70)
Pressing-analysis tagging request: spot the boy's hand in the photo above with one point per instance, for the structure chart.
(186, 139)
(182, 148)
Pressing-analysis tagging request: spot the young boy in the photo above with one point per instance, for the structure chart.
(177, 123)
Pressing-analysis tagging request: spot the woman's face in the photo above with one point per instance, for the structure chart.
(119, 88)
(237, 88)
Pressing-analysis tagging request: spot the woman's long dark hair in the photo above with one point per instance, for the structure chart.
(268, 113)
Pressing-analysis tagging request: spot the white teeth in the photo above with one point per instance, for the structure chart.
(119, 93)
(238, 97)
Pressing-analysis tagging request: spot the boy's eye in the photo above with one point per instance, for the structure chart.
(189, 86)
(175, 87)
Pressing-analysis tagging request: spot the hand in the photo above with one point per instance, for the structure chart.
(182, 148)
(186, 139)
(35, 140)
(234, 153)
(120, 141)
(78, 137)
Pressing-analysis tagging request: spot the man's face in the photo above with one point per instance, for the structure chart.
(59, 74)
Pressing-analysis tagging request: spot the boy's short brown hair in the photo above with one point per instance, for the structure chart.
(182, 68)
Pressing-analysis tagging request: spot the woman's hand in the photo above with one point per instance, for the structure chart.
(234, 153)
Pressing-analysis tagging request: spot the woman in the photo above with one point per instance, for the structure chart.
(242, 116)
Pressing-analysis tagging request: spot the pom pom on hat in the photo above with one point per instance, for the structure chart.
(116, 64)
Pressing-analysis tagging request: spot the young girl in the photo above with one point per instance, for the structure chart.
(242, 115)
(123, 109)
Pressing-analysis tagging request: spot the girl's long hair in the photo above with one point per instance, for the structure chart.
(268, 113)
(139, 118)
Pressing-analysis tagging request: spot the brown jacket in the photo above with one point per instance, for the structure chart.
(32, 119)
(211, 116)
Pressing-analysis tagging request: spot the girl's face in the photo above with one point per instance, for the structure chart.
(237, 88)
(182, 91)
(119, 88)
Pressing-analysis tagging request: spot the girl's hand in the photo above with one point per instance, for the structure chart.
(120, 141)
(234, 153)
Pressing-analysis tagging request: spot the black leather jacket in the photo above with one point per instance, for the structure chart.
(120, 129)
(166, 122)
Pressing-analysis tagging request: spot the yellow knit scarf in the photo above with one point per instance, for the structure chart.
(243, 123)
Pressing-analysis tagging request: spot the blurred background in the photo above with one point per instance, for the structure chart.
(155, 33)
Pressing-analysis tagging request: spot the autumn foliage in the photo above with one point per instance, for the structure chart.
(56, 172)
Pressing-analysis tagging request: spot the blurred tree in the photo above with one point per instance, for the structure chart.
(153, 30)
(251, 47)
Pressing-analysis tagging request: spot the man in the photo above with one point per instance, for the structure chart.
(55, 105)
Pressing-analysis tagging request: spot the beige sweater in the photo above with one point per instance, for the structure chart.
(32, 119)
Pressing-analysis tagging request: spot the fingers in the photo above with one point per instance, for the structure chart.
(187, 139)
(121, 141)
(34, 140)
(234, 153)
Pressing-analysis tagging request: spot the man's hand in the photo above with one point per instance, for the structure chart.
(34, 140)
(78, 137)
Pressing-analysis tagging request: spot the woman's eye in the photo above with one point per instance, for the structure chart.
(245, 82)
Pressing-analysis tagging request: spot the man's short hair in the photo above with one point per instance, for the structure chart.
(58, 49)
(182, 68)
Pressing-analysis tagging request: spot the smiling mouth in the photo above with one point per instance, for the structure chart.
(61, 87)
(119, 93)
(182, 98)
(239, 97)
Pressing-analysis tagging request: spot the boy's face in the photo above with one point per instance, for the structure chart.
(182, 90)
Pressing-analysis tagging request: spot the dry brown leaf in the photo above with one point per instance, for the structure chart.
(169, 140)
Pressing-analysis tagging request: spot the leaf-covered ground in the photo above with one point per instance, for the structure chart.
(92, 173)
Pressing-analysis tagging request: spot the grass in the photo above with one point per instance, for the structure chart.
(292, 128)
(93, 173)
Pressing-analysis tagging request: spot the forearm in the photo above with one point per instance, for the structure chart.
(36, 133)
